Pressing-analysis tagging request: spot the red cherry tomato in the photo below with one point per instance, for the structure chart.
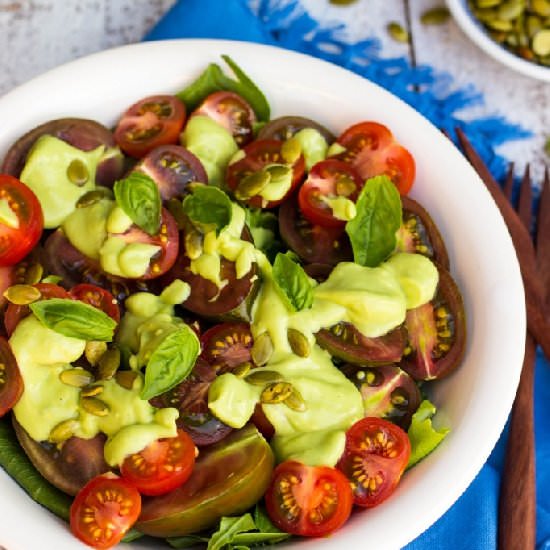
(232, 112)
(226, 346)
(11, 382)
(311, 501)
(376, 455)
(21, 230)
(15, 313)
(162, 466)
(97, 297)
(328, 179)
(152, 121)
(104, 510)
(373, 151)
(258, 155)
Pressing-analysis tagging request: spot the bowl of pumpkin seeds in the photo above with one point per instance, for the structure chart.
(514, 32)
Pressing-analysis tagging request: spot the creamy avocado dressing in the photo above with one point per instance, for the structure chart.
(342, 208)
(314, 146)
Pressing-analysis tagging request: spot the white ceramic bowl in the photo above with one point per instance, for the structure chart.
(474, 401)
(476, 32)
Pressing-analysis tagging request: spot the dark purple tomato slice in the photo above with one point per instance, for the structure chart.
(172, 168)
(419, 234)
(388, 392)
(70, 467)
(317, 271)
(312, 243)
(81, 133)
(226, 346)
(228, 479)
(285, 127)
(436, 333)
(190, 397)
(344, 341)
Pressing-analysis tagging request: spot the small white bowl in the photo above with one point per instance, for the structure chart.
(474, 401)
(477, 33)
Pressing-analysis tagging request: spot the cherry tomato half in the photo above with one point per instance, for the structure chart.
(376, 455)
(11, 382)
(97, 297)
(22, 222)
(373, 151)
(162, 466)
(104, 510)
(152, 121)
(232, 112)
(328, 179)
(311, 501)
(226, 346)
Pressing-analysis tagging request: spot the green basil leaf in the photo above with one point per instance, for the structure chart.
(294, 286)
(171, 362)
(139, 197)
(423, 436)
(187, 541)
(372, 232)
(16, 463)
(229, 528)
(212, 79)
(75, 319)
(208, 207)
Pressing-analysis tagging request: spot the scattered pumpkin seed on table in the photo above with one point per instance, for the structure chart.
(397, 32)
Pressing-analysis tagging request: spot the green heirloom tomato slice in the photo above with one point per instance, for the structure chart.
(229, 477)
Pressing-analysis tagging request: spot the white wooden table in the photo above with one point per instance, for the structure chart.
(36, 36)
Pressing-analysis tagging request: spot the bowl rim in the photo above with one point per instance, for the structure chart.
(311, 68)
(473, 29)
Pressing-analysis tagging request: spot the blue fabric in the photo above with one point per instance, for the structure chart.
(472, 521)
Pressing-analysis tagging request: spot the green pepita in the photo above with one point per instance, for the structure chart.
(77, 377)
(262, 349)
(435, 16)
(63, 431)
(94, 406)
(499, 24)
(291, 150)
(295, 401)
(487, 3)
(510, 10)
(397, 32)
(193, 244)
(33, 273)
(94, 351)
(22, 295)
(541, 7)
(91, 197)
(252, 184)
(77, 172)
(108, 364)
(126, 378)
(541, 42)
(299, 344)
(261, 377)
(276, 392)
(91, 390)
(243, 369)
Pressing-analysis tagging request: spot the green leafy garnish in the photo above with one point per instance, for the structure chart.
(379, 214)
(423, 436)
(293, 283)
(171, 362)
(213, 79)
(139, 197)
(75, 319)
(208, 208)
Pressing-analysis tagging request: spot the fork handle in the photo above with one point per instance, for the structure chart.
(517, 508)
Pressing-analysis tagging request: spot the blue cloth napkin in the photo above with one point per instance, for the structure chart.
(472, 521)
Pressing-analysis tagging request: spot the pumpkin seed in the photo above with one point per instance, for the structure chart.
(291, 150)
(242, 370)
(252, 184)
(125, 378)
(397, 32)
(276, 392)
(435, 16)
(262, 349)
(108, 364)
(541, 7)
(193, 244)
(22, 295)
(499, 24)
(91, 390)
(91, 197)
(94, 406)
(63, 431)
(76, 377)
(487, 3)
(295, 401)
(261, 377)
(77, 172)
(547, 146)
(541, 42)
(33, 273)
(485, 14)
(94, 351)
(299, 344)
(532, 25)
(510, 10)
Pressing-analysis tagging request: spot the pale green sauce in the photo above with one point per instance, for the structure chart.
(7, 215)
(314, 146)
(45, 172)
(342, 207)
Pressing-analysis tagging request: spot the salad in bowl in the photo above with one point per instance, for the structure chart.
(225, 323)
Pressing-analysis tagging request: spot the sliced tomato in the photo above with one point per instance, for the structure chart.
(311, 501)
(328, 180)
(376, 455)
(226, 346)
(14, 313)
(258, 156)
(97, 297)
(11, 381)
(231, 111)
(162, 466)
(152, 121)
(21, 220)
(373, 151)
(104, 510)
(8, 277)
